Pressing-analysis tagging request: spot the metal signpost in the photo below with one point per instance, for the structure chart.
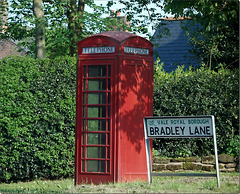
(180, 127)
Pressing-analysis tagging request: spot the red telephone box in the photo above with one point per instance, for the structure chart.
(114, 93)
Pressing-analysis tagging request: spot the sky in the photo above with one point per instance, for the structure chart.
(117, 6)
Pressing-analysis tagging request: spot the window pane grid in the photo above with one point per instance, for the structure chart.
(96, 123)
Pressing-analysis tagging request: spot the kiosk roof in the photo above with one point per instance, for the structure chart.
(117, 35)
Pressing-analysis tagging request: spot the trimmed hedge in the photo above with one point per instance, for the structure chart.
(198, 92)
(37, 114)
(37, 118)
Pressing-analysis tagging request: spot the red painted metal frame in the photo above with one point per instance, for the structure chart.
(131, 100)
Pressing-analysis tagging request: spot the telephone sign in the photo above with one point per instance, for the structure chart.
(133, 50)
(94, 50)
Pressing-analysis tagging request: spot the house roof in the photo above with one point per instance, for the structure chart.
(174, 49)
(117, 35)
(10, 47)
(173, 18)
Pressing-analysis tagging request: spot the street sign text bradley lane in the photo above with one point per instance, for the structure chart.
(179, 127)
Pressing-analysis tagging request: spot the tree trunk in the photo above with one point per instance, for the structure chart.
(3, 15)
(40, 29)
(74, 14)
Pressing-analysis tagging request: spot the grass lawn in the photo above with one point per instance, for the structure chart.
(229, 184)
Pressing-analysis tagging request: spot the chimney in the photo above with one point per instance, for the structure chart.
(121, 20)
(3, 15)
(118, 13)
(113, 13)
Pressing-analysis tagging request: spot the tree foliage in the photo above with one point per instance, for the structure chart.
(37, 118)
(199, 92)
(66, 23)
(40, 29)
(142, 15)
(3, 14)
(215, 42)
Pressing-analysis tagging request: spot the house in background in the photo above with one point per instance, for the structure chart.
(8, 47)
(173, 49)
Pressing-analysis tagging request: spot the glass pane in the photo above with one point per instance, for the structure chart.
(95, 166)
(109, 98)
(84, 113)
(84, 85)
(84, 71)
(96, 111)
(83, 152)
(97, 71)
(108, 140)
(97, 84)
(109, 71)
(83, 166)
(96, 125)
(108, 125)
(84, 125)
(108, 166)
(84, 98)
(96, 152)
(109, 84)
(83, 136)
(108, 152)
(97, 98)
(108, 111)
(96, 139)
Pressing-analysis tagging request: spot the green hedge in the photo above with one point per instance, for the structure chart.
(198, 92)
(37, 114)
(37, 118)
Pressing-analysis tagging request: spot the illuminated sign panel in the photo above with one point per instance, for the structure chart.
(96, 50)
(133, 50)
